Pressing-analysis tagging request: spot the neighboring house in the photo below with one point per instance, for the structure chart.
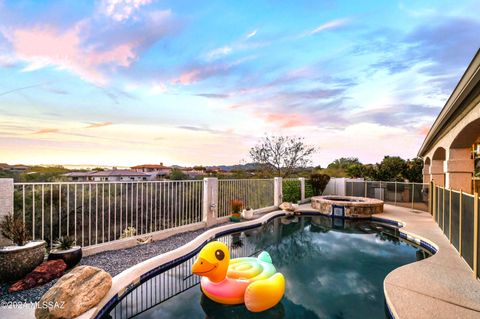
(15, 168)
(111, 175)
(77, 176)
(155, 171)
(193, 173)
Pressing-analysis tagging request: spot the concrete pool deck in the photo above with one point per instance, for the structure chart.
(442, 286)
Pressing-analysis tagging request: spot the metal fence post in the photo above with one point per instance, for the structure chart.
(460, 212)
(450, 219)
(6, 202)
(365, 188)
(443, 208)
(434, 201)
(302, 188)
(210, 200)
(413, 193)
(475, 235)
(277, 191)
(395, 192)
(431, 195)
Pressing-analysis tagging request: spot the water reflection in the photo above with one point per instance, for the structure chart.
(333, 268)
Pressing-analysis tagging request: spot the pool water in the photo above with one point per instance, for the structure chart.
(334, 268)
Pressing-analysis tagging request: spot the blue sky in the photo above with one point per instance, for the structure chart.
(199, 82)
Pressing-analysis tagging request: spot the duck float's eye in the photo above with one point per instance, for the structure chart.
(219, 254)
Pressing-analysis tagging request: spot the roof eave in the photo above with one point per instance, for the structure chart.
(453, 102)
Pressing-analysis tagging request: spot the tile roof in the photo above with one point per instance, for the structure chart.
(151, 166)
(106, 173)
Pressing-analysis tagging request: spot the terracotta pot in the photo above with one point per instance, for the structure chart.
(71, 256)
(17, 261)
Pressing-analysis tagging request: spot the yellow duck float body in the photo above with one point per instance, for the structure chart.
(249, 280)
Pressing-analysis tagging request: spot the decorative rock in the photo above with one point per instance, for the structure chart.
(42, 274)
(144, 240)
(287, 206)
(75, 293)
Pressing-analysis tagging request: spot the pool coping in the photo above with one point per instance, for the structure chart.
(132, 277)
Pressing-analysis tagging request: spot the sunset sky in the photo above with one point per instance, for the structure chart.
(199, 82)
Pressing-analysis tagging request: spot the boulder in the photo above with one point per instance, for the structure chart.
(75, 293)
(42, 274)
(287, 206)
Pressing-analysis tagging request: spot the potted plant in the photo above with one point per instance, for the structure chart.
(23, 256)
(236, 209)
(64, 248)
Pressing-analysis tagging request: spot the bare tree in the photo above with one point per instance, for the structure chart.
(282, 154)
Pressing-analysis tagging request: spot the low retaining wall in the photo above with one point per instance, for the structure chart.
(347, 206)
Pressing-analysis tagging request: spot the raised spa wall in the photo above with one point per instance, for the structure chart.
(353, 207)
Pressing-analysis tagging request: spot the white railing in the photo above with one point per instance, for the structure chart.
(254, 193)
(98, 212)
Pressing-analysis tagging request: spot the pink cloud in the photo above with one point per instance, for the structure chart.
(47, 130)
(285, 120)
(423, 130)
(99, 124)
(42, 47)
(201, 72)
(333, 24)
(188, 77)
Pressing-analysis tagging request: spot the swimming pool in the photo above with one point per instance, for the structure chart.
(334, 268)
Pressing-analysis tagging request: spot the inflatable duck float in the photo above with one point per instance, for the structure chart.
(252, 281)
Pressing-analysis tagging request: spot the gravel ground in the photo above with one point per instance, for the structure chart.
(114, 262)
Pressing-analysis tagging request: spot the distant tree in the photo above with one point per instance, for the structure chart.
(344, 163)
(177, 175)
(391, 168)
(281, 155)
(370, 172)
(43, 174)
(333, 172)
(356, 171)
(413, 170)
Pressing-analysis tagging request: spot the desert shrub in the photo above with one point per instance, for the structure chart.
(291, 191)
(319, 182)
(14, 229)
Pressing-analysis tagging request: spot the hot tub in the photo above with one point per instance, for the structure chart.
(347, 206)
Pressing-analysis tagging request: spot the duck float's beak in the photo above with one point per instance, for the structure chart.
(202, 267)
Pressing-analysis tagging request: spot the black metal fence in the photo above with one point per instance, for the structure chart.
(410, 195)
(456, 213)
